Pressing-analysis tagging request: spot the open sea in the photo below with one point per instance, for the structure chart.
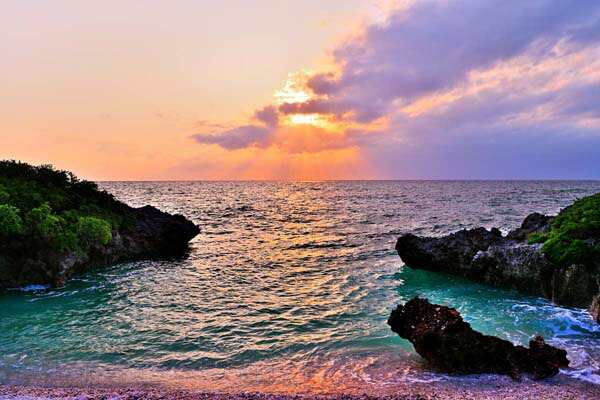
(287, 288)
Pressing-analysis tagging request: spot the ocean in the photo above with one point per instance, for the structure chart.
(287, 288)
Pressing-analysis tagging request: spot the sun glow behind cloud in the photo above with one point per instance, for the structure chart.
(420, 89)
(293, 90)
(503, 91)
(309, 119)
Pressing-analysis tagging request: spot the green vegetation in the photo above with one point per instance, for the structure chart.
(10, 221)
(573, 236)
(92, 230)
(55, 209)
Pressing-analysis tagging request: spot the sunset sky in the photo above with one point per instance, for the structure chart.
(312, 89)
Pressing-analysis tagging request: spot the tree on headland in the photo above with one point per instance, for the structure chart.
(55, 208)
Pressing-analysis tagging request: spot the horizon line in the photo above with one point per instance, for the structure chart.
(356, 180)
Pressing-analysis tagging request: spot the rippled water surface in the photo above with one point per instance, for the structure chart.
(288, 285)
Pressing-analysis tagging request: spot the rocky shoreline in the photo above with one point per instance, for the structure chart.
(447, 342)
(514, 261)
(153, 234)
(54, 225)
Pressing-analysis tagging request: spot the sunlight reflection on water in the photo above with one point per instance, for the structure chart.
(288, 284)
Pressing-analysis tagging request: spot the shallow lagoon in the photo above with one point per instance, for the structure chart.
(289, 284)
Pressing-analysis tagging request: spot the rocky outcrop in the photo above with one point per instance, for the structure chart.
(53, 225)
(452, 253)
(533, 223)
(488, 257)
(158, 233)
(447, 342)
(151, 234)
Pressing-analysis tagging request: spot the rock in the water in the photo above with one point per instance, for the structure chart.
(55, 225)
(157, 232)
(533, 223)
(519, 266)
(488, 257)
(153, 234)
(452, 253)
(446, 341)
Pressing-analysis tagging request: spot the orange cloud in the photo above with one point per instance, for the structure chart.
(274, 163)
(388, 95)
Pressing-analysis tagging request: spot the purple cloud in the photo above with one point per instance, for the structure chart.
(525, 152)
(583, 100)
(432, 46)
(268, 115)
(237, 138)
(468, 89)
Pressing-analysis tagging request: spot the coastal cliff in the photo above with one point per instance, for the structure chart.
(554, 257)
(53, 225)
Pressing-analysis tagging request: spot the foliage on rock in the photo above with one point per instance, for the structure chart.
(53, 225)
(10, 221)
(92, 230)
(56, 209)
(574, 234)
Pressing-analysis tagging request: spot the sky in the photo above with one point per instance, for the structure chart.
(303, 90)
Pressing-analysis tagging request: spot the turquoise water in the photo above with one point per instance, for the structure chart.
(288, 284)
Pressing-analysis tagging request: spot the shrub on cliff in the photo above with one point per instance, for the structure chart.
(574, 237)
(10, 221)
(92, 230)
(3, 195)
(53, 225)
(55, 209)
(26, 187)
(53, 229)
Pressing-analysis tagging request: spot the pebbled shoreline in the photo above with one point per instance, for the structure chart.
(485, 388)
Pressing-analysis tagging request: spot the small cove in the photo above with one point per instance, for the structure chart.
(288, 284)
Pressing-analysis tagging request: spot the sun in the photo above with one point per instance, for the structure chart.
(316, 120)
(296, 91)
(293, 90)
(310, 119)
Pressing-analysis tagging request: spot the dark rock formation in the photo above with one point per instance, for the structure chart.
(53, 224)
(152, 234)
(488, 257)
(159, 233)
(533, 223)
(446, 341)
(450, 253)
